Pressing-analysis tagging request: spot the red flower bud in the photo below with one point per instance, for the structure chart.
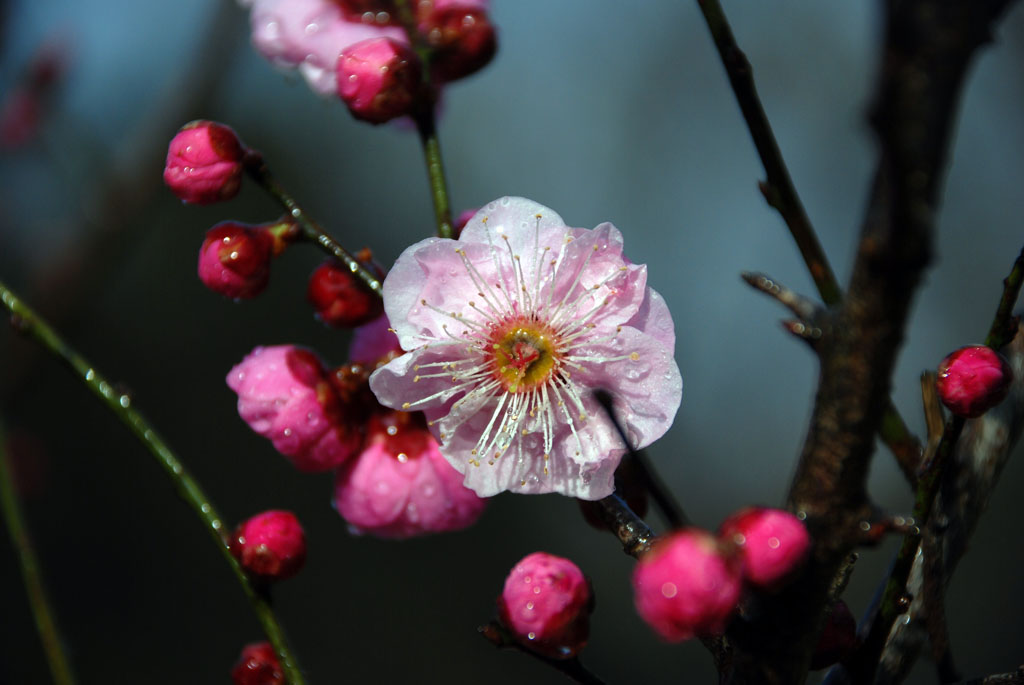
(972, 380)
(257, 665)
(270, 546)
(235, 259)
(204, 163)
(462, 37)
(340, 298)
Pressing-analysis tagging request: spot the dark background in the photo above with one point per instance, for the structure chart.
(601, 110)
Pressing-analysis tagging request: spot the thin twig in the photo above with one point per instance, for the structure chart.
(570, 668)
(778, 188)
(1015, 678)
(1004, 325)
(29, 323)
(780, 193)
(426, 124)
(929, 481)
(311, 231)
(934, 591)
(671, 510)
(635, 535)
(46, 623)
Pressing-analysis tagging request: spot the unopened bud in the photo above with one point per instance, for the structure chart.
(687, 585)
(546, 604)
(772, 543)
(270, 546)
(461, 36)
(285, 395)
(204, 163)
(235, 259)
(257, 665)
(972, 380)
(378, 79)
(340, 298)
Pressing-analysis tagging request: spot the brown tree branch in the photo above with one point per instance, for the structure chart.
(780, 193)
(928, 47)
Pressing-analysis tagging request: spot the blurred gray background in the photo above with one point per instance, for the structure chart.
(601, 110)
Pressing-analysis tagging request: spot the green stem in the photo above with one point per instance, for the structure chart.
(29, 323)
(780, 193)
(46, 624)
(426, 124)
(435, 173)
(310, 230)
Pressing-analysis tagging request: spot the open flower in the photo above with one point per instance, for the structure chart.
(310, 35)
(509, 329)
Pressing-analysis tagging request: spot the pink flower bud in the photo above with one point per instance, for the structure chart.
(235, 259)
(270, 546)
(463, 219)
(340, 298)
(687, 585)
(400, 486)
(972, 380)
(285, 396)
(461, 35)
(378, 79)
(838, 638)
(373, 342)
(204, 163)
(257, 665)
(546, 605)
(772, 543)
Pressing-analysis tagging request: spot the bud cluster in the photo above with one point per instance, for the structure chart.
(392, 480)
(691, 582)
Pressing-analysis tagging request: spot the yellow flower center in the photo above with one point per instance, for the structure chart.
(524, 354)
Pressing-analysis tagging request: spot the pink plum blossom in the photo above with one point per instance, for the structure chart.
(688, 585)
(546, 604)
(310, 35)
(400, 486)
(509, 329)
(285, 396)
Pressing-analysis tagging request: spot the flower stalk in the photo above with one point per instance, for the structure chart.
(120, 404)
(426, 125)
(45, 619)
(309, 229)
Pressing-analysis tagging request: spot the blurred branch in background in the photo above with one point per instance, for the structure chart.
(119, 403)
(31, 573)
(114, 199)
